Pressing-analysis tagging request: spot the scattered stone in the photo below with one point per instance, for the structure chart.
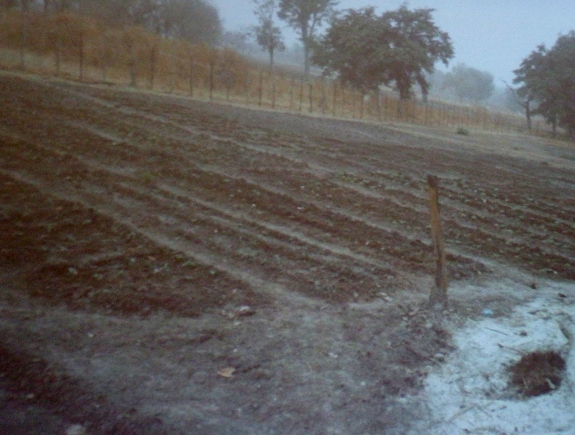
(385, 296)
(487, 312)
(76, 429)
(244, 311)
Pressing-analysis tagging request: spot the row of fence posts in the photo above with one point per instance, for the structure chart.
(433, 113)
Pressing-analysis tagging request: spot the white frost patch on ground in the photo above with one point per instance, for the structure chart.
(470, 395)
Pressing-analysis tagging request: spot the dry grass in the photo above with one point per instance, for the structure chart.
(78, 47)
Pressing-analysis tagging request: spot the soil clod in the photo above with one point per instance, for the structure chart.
(537, 373)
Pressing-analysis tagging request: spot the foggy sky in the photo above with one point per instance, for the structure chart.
(490, 35)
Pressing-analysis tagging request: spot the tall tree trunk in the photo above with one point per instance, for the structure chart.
(271, 51)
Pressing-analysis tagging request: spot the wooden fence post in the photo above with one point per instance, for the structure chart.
(132, 65)
(311, 97)
(23, 40)
(261, 88)
(81, 73)
(212, 66)
(439, 292)
(291, 93)
(191, 84)
(57, 53)
(334, 103)
(152, 66)
(104, 52)
(273, 91)
(301, 94)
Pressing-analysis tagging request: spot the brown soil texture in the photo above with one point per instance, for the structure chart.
(136, 229)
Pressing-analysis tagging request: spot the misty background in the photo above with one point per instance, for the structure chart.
(490, 35)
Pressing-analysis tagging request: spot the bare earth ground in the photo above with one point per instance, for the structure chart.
(150, 241)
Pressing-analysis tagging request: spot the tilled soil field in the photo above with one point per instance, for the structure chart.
(174, 266)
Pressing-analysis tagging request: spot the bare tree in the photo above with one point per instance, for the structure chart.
(305, 16)
(524, 102)
(268, 35)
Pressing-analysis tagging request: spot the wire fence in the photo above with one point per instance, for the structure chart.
(76, 47)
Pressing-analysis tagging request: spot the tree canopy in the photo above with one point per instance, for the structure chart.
(194, 20)
(396, 48)
(268, 35)
(469, 83)
(305, 16)
(547, 78)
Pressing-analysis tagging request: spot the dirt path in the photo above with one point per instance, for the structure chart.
(149, 241)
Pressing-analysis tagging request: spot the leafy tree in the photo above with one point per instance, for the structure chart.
(547, 78)
(417, 44)
(194, 20)
(469, 83)
(354, 47)
(305, 16)
(23, 5)
(268, 36)
(238, 41)
(515, 101)
(396, 49)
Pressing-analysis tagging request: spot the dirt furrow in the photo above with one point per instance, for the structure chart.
(169, 265)
(132, 157)
(132, 205)
(517, 229)
(269, 176)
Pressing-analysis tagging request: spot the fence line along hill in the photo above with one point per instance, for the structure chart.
(81, 48)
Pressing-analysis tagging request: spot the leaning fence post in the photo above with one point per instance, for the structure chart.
(439, 292)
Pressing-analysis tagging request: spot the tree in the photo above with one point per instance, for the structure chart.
(268, 36)
(547, 78)
(305, 16)
(23, 5)
(9, 4)
(396, 49)
(532, 74)
(194, 20)
(354, 48)
(516, 102)
(417, 43)
(470, 83)
(238, 41)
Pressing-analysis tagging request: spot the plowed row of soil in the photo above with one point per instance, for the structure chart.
(119, 203)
